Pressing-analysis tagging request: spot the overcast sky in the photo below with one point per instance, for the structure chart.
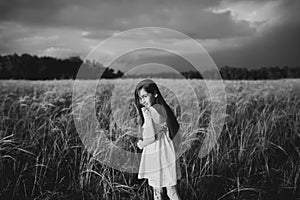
(238, 33)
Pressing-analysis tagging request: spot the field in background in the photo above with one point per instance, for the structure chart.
(257, 156)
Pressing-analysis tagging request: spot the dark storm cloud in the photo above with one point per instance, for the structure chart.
(277, 46)
(97, 20)
(186, 16)
(33, 11)
(39, 12)
(196, 24)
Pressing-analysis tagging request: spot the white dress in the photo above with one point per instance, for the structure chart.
(158, 161)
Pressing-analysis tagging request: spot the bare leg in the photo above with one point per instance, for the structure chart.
(172, 193)
(157, 193)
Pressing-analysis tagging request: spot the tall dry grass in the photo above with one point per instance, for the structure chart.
(42, 156)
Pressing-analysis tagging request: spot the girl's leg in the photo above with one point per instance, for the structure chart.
(157, 193)
(172, 193)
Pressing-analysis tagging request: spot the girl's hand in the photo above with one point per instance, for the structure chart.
(139, 144)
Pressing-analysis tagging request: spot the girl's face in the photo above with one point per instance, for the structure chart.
(146, 99)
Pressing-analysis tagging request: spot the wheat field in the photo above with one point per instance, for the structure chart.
(257, 155)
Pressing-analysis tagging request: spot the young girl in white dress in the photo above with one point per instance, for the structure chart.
(158, 161)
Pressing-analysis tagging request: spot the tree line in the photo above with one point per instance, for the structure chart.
(32, 67)
(46, 68)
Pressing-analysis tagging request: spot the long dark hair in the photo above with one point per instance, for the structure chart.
(151, 87)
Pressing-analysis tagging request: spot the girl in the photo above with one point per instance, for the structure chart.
(158, 161)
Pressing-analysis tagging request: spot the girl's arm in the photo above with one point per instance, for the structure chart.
(154, 113)
(146, 142)
(148, 131)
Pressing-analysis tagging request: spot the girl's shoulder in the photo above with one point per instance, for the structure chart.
(157, 111)
(157, 108)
